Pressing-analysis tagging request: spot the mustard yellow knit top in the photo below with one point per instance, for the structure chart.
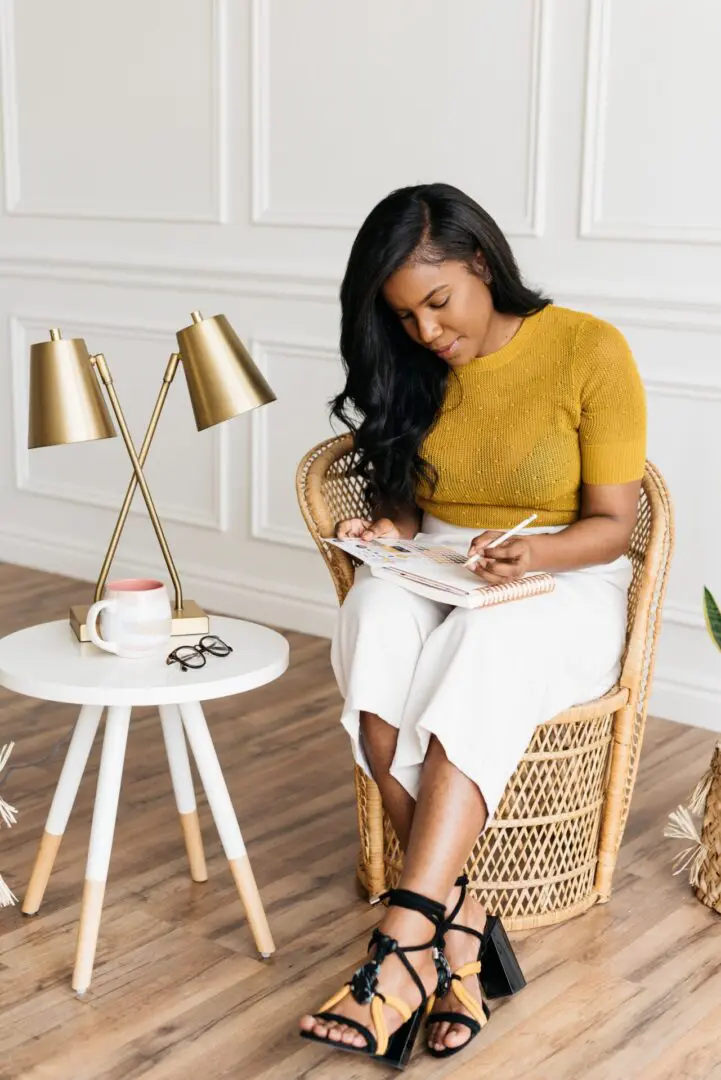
(520, 429)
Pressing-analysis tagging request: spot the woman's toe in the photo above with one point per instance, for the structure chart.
(456, 1035)
(439, 1034)
(332, 1032)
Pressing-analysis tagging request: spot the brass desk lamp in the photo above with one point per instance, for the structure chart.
(67, 406)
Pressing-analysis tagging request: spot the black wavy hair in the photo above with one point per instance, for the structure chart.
(394, 386)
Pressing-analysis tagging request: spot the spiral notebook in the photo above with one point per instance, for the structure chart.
(438, 573)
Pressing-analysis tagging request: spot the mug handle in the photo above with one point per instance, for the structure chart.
(91, 625)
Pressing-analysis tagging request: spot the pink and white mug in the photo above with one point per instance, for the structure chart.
(135, 618)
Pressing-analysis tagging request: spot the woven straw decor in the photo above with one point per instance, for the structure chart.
(7, 817)
(702, 858)
(708, 888)
(550, 851)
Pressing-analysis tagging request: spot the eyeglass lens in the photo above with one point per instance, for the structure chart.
(213, 644)
(187, 656)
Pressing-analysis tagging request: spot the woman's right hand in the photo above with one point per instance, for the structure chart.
(365, 529)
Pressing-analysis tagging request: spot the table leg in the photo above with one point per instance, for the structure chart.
(221, 807)
(61, 807)
(182, 778)
(101, 841)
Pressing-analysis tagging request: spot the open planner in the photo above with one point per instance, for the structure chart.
(438, 572)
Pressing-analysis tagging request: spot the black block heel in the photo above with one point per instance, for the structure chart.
(501, 973)
(401, 1043)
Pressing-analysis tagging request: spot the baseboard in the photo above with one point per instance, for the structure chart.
(283, 606)
(678, 698)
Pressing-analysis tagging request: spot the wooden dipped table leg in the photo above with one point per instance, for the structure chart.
(101, 842)
(245, 882)
(63, 800)
(221, 807)
(194, 845)
(181, 776)
(42, 869)
(90, 915)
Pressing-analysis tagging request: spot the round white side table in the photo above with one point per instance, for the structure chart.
(48, 662)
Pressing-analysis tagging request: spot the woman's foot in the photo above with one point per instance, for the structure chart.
(460, 949)
(408, 928)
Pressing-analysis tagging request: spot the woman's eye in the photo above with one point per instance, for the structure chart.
(409, 314)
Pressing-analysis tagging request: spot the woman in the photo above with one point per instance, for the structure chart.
(475, 402)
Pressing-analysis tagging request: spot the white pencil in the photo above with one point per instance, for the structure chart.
(494, 543)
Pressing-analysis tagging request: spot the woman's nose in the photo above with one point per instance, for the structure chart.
(428, 329)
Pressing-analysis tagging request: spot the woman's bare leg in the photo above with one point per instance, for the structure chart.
(379, 743)
(449, 814)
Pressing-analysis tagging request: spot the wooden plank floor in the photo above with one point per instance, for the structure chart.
(632, 989)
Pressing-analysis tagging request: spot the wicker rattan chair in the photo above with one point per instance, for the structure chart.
(550, 851)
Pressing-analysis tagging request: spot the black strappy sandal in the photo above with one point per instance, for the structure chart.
(498, 971)
(395, 1049)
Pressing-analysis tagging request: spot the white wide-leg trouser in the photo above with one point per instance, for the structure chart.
(480, 681)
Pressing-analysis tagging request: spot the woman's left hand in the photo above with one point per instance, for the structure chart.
(507, 562)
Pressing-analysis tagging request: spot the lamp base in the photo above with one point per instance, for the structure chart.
(191, 621)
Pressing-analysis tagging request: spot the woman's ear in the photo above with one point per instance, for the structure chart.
(480, 267)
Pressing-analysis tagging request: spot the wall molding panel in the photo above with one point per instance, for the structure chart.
(293, 282)
(265, 212)
(593, 223)
(261, 527)
(15, 202)
(289, 283)
(9, 108)
(691, 391)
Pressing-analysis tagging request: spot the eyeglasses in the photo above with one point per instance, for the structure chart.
(193, 656)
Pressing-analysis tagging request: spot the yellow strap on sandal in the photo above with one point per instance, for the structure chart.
(400, 1006)
(379, 1023)
(469, 1003)
(468, 969)
(379, 1020)
(332, 1002)
(462, 994)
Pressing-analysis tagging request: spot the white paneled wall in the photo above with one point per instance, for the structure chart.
(166, 155)
(411, 73)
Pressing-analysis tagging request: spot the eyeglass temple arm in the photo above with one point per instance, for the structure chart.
(168, 377)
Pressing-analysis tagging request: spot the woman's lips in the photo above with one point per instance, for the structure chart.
(448, 351)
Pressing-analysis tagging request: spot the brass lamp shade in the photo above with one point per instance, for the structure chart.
(223, 380)
(66, 405)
